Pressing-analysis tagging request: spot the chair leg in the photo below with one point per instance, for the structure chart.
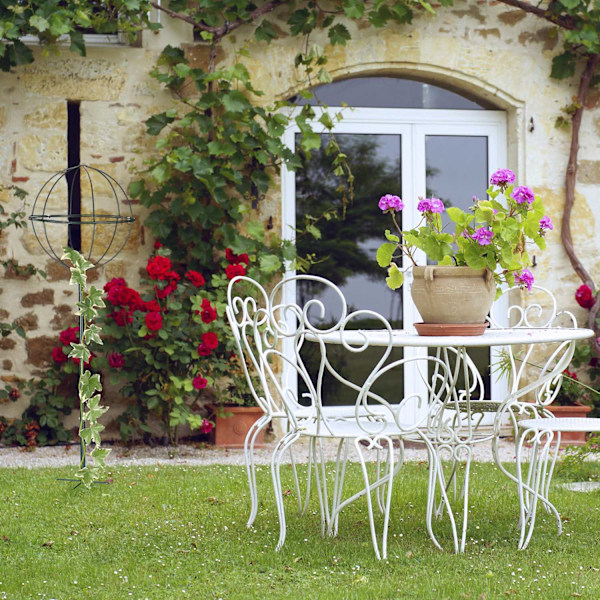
(321, 480)
(340, 472)
(390, 462)
(251, 436)
(537, 480)
(436, 477)
(276, 458)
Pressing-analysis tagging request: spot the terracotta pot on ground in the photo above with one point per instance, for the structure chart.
(230, 432)
(571, 438)
(445, 294)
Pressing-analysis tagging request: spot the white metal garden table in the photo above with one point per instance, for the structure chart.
(456, 429)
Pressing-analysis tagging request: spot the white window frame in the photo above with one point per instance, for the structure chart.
(413, 125)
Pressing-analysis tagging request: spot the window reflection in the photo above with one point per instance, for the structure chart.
(346, 252)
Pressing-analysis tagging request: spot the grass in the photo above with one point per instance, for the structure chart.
(174, 532)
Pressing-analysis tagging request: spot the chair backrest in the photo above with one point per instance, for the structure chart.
(247, 312)
(536, 308)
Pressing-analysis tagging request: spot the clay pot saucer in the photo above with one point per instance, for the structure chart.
(451, 328)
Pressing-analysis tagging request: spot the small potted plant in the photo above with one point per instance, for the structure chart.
(479, 250)
(234, 409)
(572, 400)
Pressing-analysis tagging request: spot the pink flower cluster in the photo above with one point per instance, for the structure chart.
(390, 202)
(502, 177)
(430, 205)
(525, 279)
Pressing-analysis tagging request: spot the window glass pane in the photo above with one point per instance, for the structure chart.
(391, 92)
(456, 170)
(346, 250)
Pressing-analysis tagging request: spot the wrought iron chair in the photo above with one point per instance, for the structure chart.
(373, 422)
(248, 309)
(541, 433)
(456, 428)
(247, 313)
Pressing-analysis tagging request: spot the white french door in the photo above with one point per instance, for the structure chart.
(449, 154)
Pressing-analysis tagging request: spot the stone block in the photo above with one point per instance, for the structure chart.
(42, 153)
(70, 77)
(39, 350)
(588, 171)
(53, 116)
(7, 343)
(64, 316)
(56, 271)
(29, 321)
(44, 297)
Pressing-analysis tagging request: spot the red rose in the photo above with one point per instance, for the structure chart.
(152, 306)
(199, 382)
(236, 259)
(234, 270)
(153, 321)
(585, 296)
(166, 291)
(210, 340)
(131, 298)
(71, 334)
(570, 374)
(196, 278)
(14, 394)
(204, 350)
(206, 426)
(114, 295)
(59, 356)
(158, 267)
(116, 360)
(122, 317)
(208, 313)
(157, 245)
(115, 282)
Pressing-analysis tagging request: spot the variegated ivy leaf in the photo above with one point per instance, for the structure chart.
(78, 278)
(88, 384)
(95, 296)
(86, 309)
(92, 334)
(80, 351)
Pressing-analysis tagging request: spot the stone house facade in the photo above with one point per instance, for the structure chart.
(485, 50)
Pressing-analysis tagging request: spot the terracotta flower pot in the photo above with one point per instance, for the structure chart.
(230, 432)
(571, 438)
(445, 294)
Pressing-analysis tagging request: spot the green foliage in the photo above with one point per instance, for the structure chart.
(49, 20)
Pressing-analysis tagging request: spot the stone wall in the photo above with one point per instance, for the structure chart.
(487, 49)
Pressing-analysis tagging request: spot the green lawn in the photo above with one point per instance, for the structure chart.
(176, 532)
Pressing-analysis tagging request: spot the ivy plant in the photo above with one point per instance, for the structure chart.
(89, 385)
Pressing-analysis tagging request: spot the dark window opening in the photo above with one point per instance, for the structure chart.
(72, 177)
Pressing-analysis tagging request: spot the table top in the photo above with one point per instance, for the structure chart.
(491, 337)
